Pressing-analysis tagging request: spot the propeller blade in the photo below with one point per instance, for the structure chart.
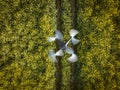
(59, 53)
(73, 32)
(69, 50)
(74, 41)
(58, 35)
(51, 39)
(52, 55)
(73, 58)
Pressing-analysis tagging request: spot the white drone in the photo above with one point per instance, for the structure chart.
(64, 46)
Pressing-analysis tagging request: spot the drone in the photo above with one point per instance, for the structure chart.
(63, 46)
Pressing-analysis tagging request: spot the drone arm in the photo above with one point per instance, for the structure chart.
(67, 42)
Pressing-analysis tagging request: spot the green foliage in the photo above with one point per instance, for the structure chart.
(66, 18)
(25, 26)
(96, 27)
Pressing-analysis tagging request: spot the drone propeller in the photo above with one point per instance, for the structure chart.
(59, 53)
(73, 33)
(58, 35)
(74, 41)
(51, 39)
(73, 58)
(53, 55)
(69, 50)
(64, 46)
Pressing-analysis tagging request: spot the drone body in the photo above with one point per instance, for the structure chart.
(63, 46)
